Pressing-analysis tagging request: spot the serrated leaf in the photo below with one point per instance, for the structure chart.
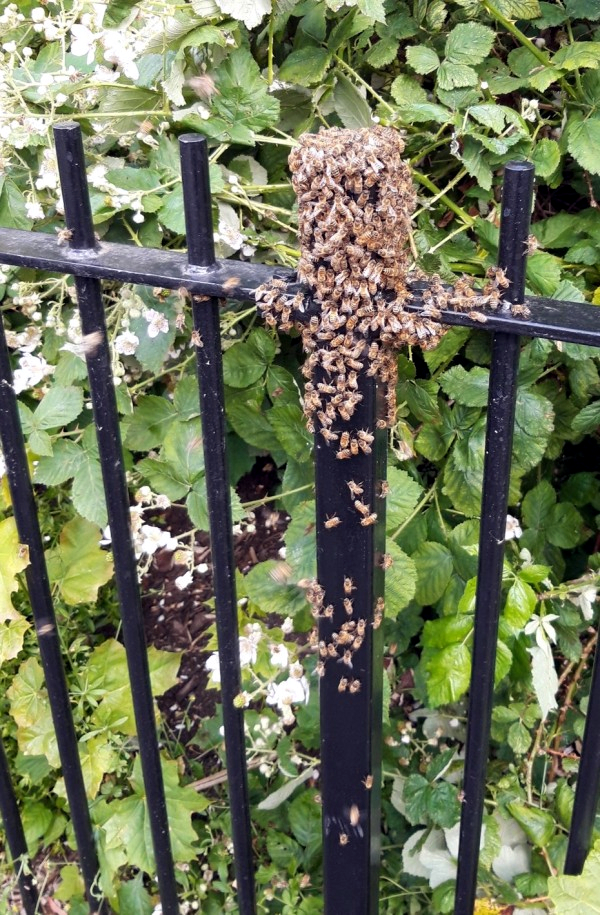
(489, 115)
(400, 580)
(277, 798)
(583, 9)
(565, 526)
(433, 563)
(588, 419)
(149, 422)
(578, 55)
(422, 59)
(534, 422)
(30, 708)
(383, 52)
(474, 163)
(352, 109)
(61, 465)
(407, 91)
(14, 558)
(546, 157)
(583, 141)
(520, 604)
(518, 9)
(77, 565)
(289, 425)
(443, 805)
(374, 9)
(415, 796)
(468, 388)
(469, 43)
(183, 450)
(448, 674)
(423, 112)
(305, 67)
(403, 496)
(88, 490)
(59, 407)
(578, 895)
(544, 678)
(134, 898)
(452, 75)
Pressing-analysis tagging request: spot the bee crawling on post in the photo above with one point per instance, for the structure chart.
(332, 522)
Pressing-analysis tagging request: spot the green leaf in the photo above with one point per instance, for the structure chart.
(520, 604)
(537, 505)
(152, 351)
(171, 214)
(474, 163)
(416, 793)
(518, 9)
(374, 9)
(534, 422)
(13, 213)
(489, 115)
(565, 526)
(468, 388)
(578, 55)
(583, 9)
(407, 91)
(305, 67)
(61, 465)
(546, 157)
(588, 419)
(289, 425)
(163, 478)
(422, 59)
(427, 111)
(88, 490)
(183, 450)
(448, 630)
(59, 407)
(403, 496)
(30, 708)
(469, 43)
(382, 53)
(519, 738)
(14, 558)
(443, 805)
(276, 798)
(448, 674)
(400, 580)
(241, 365)
(305, 819)
(578, 895)
(134, 898)
(77, 565)
(537, 824)
(250, 12)
(433, 563)
(149, 422)
(583, 141)
(454, 75)
(351, 107)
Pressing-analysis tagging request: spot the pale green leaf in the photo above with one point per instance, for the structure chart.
(578, 895)
(400, 580)
(534, 422)
(578, 55)
(88, 490)
(422, 59)
(448, 674)
(14, 558)
(469, 43)
(77, 565)
(403, 496)
(149, 422)
(520, 604)
(134, 898)
(468, 388)
(433, 563)
(518, 9)
(30, 708)
(276, 798)
(583, 9)
(351, 107)
(374, 9)
(546, 157)
(538, 824)
(544, 678)
(584, 141)
(454, 75)
(289, 425)
(407, 91)
(59, 407)
(250, 12)
(61, 465)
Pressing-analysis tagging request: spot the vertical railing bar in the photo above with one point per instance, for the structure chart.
(198, 220)
(25, 513)
(514, 230)
(15, 835)
(78, 219)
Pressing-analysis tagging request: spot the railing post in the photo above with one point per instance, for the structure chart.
(514, 229)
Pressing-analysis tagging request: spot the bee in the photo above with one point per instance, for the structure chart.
(377, 620)
(333, 521)
(197, 339)
(328, 611)
(343, 685)
(348, 586)
(344, 440)
(354, 811)
(361, 627)
(357, 642)
(478, 316)
(89, 344)
(332, 650)
(361, 507)
(63, 236)
(231, 283)
(384, 489)
(323, 649)
(343, 455)
(347, 658)
(368, 782)
(328, 436)
(531, 245)
(344, 838)
(354, 688)
(348, 606)
(356, 489)
(320, 669)
(326, 388)
(313, 639)
(355, 364)
(354, 447)
(520, 311)
(366, 449)
(386, 562)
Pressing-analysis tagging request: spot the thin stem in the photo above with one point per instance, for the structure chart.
(363, 82)
(426, 498)
(462, 214)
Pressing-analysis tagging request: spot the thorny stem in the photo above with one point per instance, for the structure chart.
(462, 214)
(342, 63)
(270, 48)
(454, 181)
(426, 498)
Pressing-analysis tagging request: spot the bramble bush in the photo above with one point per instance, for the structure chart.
(471, 84)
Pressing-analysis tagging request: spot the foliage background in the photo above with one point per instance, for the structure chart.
(472, 84)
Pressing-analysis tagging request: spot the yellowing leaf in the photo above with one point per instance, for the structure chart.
(578, 895)
(14, 557)
(30, 708)
(78, 566)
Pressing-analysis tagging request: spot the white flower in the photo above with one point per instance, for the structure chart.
(83, 42)
(513, 529)
(247, 651)
(10, 47)
(202, 567)
(585, 600)
(280, 656)
(38, 14)
(127, 343)
(153, 539)
(542, 628)
(296, 670)
(157, 323)
(162, 501)
(183, 581)
(48, 173)
(287, 626)
(213, 667)
(117, 52)
(32, 369)
(290, 692)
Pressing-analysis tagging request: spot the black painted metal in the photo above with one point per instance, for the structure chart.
(572, 322)
(351, 721)
(201, 254)
(514, 229)
(23, 503)
(13, 827)
(71, 165)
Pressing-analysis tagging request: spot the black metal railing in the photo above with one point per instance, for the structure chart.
(351, 731)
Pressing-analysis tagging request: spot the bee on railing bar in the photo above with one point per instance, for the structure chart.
(370, 519)
(520, 311)
(323, 649)
(368, 782)
(346, 659)
(349, 586)
(348, 606)
(354, 686)
(328, 611)
(320, 669)
(332, 522)
(356, 489)
(344, 838)
(354, 447)
(361, 507)
(343, 685)
(63, 236)
(361, 627)
(343, 455)
(328, 436)
(384, 489)
(477, 316)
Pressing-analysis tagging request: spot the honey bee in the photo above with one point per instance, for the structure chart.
(531, 245)
(320, 669)
(332, 650)
(347, 658)
(366, 449)
(328, 436)
(354, 447)
(348, 586)
(196, 339)
(63, 236)
(368, 782)
(361, 507)
(323, 649)
(361, 627)
(333, 521)
(231, 283)
(356, 489)
(354, 811)
(384, 489)
(357, 642)
(344, 440)
(478, 316)
(328, 611)
(343, 455)
(386, 562)
(354, 686)
(520, 311)
(343, 685)
(344, 838)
